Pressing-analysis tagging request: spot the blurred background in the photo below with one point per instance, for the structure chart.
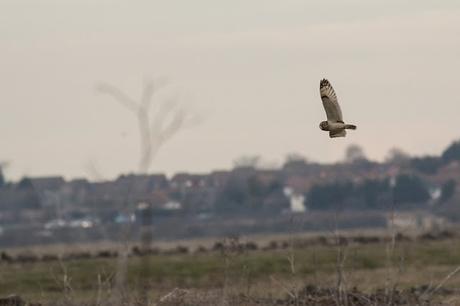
(249, 69)
(199, 108)
(200, 119)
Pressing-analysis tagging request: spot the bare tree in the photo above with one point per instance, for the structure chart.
(3, 165)
(354, 153)
(154, 130)
(294, 157)
(247, 161)
(92, 170)
(397, 156)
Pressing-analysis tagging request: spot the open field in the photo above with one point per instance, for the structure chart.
(232, 269)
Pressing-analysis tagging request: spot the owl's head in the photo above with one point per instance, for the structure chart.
(324, 125)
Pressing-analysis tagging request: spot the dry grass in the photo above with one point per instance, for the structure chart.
(261, 239)
(239, 277)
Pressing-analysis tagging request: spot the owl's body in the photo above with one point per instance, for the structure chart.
(334, 123)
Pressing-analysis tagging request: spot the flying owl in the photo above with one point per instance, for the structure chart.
(334, 123)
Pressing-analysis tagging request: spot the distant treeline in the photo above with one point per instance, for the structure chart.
(430, 164)
(407, 191)
(404, 191)
(402, 181)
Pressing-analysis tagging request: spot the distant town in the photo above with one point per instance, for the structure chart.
(298, 196)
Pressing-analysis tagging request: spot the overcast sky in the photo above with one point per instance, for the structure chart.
(250, 68)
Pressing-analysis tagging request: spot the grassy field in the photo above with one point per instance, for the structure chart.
(273, 273)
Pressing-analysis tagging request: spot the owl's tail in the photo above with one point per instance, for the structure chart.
(350, 126)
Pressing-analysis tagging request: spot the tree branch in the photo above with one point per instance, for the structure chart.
(118, 95)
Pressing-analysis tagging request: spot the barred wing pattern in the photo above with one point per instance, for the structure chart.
(330, 102)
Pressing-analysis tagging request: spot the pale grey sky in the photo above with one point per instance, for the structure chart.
(251, 68)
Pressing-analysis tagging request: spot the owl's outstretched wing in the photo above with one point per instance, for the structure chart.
(330, 102)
